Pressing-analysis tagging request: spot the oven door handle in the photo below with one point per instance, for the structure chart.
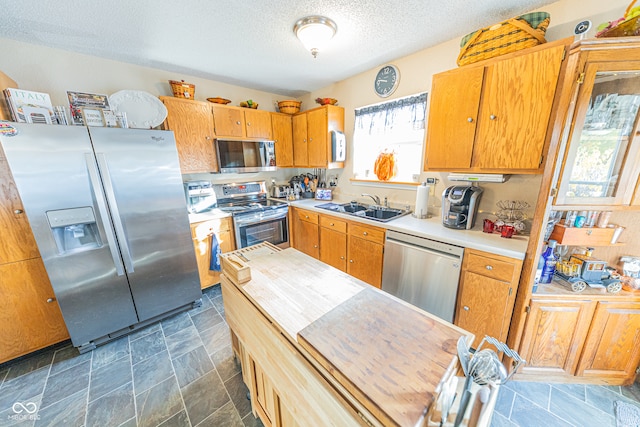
(256, 219)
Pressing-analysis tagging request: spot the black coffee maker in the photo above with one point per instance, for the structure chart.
(459, 206)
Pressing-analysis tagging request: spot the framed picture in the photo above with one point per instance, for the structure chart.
(110, 119)
(323, 194)
(80, 100)
(92, 117)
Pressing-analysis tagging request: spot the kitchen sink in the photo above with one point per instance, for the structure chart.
(373, 212)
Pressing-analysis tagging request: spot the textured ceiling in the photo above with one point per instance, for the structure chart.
(250, 43)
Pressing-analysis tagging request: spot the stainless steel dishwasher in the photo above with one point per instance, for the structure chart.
(423, 272)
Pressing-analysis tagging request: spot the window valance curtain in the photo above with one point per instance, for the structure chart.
(397, 115)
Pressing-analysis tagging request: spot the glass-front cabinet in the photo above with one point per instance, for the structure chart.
(602, 159)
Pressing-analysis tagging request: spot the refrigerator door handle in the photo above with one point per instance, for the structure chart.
(104, 214)
(117, 221)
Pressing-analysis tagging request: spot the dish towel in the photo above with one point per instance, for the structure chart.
(214, 262)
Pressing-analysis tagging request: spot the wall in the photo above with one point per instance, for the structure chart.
(56, 71)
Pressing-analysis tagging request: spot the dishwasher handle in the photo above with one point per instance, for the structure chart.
(456, 252)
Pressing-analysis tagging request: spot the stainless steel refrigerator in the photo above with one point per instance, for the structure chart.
(108, 211)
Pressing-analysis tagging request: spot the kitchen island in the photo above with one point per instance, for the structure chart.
(319, 347)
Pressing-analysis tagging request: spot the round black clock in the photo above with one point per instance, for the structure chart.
(386, 81)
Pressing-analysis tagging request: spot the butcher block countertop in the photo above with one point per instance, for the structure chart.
(390, 356)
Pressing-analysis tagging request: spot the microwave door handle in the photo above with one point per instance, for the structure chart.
(104, 214)
(117, 220)
(263, 154)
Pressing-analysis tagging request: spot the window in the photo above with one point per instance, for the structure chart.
(395, 127)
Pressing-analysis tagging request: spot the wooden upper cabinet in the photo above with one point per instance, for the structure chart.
(299, 123)
(612, 348)
(18, 242)
(493, 117)
(462, 88)
(238, 122)
(312, 145)
(258, 124)
(192, 123)
(515, 109)
(229, 121)
(283, 137)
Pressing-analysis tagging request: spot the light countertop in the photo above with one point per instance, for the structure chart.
(432, 228)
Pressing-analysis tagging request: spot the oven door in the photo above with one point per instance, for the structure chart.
(265, 226)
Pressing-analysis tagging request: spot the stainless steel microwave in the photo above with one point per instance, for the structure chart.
(243, 155)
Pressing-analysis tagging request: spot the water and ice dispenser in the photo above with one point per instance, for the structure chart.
(74, 229)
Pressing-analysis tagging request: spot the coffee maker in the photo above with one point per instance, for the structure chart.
(459, 206)
(200, 196)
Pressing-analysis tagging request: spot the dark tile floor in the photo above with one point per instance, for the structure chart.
(181, 372)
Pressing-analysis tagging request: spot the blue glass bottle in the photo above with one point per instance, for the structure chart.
(550, 260)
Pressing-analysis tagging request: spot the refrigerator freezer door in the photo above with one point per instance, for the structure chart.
(68, 214)
(144, 190)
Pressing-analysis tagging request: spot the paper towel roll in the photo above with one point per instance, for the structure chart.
(422, 201)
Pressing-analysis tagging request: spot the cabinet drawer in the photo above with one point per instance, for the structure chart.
(368, 233)
(490, 267)
(307, 216)
(591, 236)
(333, 223)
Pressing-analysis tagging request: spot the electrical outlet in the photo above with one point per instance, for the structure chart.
(432, 190)
(416, 177)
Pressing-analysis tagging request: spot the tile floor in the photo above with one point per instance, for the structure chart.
(181, 372)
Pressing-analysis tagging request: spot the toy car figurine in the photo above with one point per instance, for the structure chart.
(582, 271)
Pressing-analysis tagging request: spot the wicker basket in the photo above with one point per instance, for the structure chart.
(508, 36)
(289, 107)
(628, 28)
(182, 90)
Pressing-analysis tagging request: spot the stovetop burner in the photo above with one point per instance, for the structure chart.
(239, 198)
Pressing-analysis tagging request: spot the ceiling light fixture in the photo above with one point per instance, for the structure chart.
(314, 32)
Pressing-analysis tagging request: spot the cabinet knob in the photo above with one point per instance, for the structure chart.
(470, 119)
(351, 261)
(18, 211)
(489, 267)
(50, 300)
(304, 140)
(238, 122)
(341, 257)
(248, 123)
(306, 216)
(331, 224)
(207, 138)
(315, 246)
(310, 139)
(465, 308)
(365, 233)
(492, 117)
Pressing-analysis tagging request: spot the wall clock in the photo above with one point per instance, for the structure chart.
(386, 80)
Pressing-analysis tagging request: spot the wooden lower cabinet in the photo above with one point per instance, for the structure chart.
(488, 285)
(201, 233)
(554, 337)
(612, 348)
(354, 248)
(29, 312)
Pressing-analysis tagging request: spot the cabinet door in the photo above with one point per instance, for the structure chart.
(283, 138)
(453, 115)
(28, 305)
(612, 348)
(258, 124)
(317, 137)
(192, 123)
(554, 336)
(300, 148)
(265, 396)
(365, 260)
(17, 239)
(201, 233)
(515, 108)
(228, 121)
(333, 243)
(602, 159)
(306, 238)
(484, 306)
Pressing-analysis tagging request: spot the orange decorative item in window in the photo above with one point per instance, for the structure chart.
(385, 166)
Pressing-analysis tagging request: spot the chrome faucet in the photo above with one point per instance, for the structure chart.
(375, 198)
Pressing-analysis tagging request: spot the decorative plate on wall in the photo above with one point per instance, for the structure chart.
(144, 111)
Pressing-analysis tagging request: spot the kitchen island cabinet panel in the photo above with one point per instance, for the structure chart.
(192, 123)
(29, 312)
(612, 348)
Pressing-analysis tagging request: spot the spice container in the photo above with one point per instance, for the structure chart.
(603, 219)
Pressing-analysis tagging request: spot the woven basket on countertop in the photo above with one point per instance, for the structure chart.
(508, 36)
(182, 90)
(289, 107)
